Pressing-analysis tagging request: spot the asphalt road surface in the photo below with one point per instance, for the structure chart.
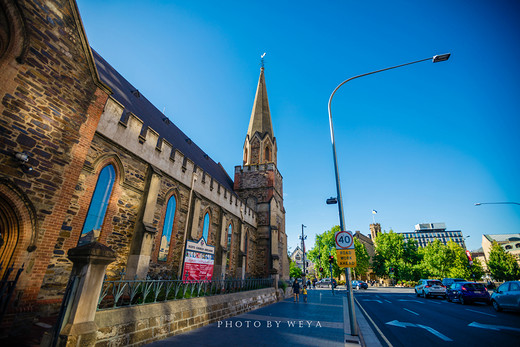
(403, 319)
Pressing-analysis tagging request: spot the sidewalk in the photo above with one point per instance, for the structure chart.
(319, 322)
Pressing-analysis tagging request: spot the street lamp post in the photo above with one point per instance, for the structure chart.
(352, 315)
(303, 237)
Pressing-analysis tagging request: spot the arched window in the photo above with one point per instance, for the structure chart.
(229, 236)
(205, 227)
(267, 154)
(517, 245)
(509, 247)
(167, 230)
(98, 206)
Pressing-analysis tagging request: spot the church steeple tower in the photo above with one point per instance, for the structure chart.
(259, 183)
(260, 143)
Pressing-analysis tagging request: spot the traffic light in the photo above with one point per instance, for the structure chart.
(321, 269)
(331, 259)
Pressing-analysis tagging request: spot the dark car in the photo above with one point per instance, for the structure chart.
(359, 285)
(325, 282)
(447, 282)
(507, 296)
(468, 292)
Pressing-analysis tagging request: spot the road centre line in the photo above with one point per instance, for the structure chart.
(373, 323)
(487, 314)
(411, 311)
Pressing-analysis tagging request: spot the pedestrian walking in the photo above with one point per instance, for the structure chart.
(296, 290)
(304, 293)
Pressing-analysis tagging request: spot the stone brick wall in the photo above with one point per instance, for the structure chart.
(139, 325)
(50, 104)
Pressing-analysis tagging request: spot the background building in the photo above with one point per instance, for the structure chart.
(509, 242)
(297, 257)
(426, 233)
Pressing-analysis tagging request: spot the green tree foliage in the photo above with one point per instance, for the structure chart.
(362, 259)
(460, 267)
(294, 270)
(319, 255)
(502, 265)
(437, 260)
(392, 251)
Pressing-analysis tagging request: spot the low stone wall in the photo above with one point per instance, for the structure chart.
(139, 325)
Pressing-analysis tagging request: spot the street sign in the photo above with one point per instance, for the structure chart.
(346, 257)
(344, 240)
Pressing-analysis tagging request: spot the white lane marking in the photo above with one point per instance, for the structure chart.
(435, 332)
(491, 327)
(431, 330)
(388, 301)
(487, 314)
(410, 311)
(420, 302)
(379, 301)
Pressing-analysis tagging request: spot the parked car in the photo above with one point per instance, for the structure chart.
(507, 296)
(430, 288)
(359, 285)
(468, 292)
(447, 282)
(325, 282)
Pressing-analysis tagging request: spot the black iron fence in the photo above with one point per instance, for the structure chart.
(7, 287)
(121, 293)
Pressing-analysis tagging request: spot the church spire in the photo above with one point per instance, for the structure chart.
(260, 144)
(261, 115)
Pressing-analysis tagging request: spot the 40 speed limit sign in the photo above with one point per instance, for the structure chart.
(344, 240)
(345, 254)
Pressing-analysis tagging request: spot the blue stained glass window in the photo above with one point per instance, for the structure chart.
(230, 233)
(167, 230)
(98, 206)
(205, 227)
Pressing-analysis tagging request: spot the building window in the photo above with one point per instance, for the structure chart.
(229, 236)
(205, 227)
(267, 154)
(509, 247)
(517, 245)
(167, 230)
(98, 206)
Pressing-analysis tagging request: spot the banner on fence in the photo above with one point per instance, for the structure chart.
(198, 261)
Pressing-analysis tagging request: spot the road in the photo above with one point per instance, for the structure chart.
(404, 319)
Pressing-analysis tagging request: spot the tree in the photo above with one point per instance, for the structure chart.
(395, 257)
(324, 246)
(502, 265)
(294, 270)
(362, 259)
(460, 267)
(437, 260)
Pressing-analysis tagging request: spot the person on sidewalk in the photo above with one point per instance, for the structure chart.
(296, 290)
(304, 293)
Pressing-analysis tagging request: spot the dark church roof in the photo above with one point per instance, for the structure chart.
(135, 102)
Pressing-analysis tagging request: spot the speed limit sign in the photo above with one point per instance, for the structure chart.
(344, 240)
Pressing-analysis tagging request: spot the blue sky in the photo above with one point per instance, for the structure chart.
(418, 144)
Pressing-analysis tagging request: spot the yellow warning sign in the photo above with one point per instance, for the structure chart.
(346, 257)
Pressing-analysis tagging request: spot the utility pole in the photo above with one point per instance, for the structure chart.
(303, 237)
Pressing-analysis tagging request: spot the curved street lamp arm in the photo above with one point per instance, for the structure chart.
(497, 203)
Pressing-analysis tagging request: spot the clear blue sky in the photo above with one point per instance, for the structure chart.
(418, 144)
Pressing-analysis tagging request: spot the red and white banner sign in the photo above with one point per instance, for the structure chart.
(198, 261)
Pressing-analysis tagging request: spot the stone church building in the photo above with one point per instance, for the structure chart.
(85, 156)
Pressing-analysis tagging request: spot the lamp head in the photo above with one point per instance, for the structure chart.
(441, 57)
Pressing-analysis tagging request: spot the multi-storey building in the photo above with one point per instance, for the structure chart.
(509, 242)
(426, 233)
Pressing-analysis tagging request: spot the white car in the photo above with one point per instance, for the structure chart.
(427, 288)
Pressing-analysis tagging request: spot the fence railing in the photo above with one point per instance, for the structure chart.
(121, 293)
(7, 287)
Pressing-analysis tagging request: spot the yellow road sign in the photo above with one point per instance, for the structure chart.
(346, 257)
